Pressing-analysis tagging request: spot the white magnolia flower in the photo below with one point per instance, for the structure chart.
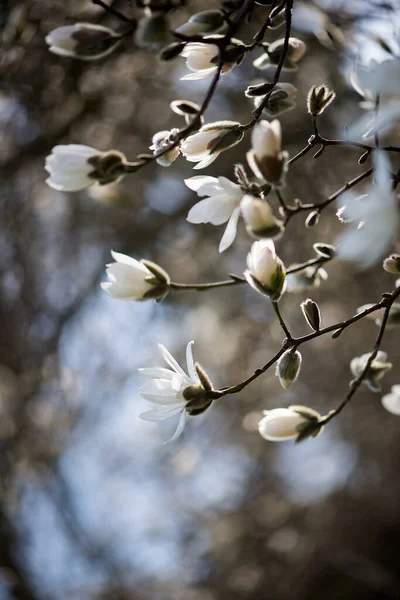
(162, 140)
(266, 159)
(392, 401)
(69, 168)
(83, 40)
(221, 206)
(273, 52)
(131, 279)
(374, 219)
(375, 79)
(172, 391)
(377, 369)
(259, 218)
(207, 144)
(282, 424)
(202, 59)
(265, 270)
(303, 280)
(74, 167)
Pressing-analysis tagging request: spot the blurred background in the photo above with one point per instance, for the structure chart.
(93, 505)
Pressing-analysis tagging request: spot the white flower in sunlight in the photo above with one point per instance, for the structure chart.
(281, 424)
(392, 401)
(131, 279)
(172, 391)
(162, 140)
(303, 280)
(377, 370)
(74, 167)
(207, 144)
(273, 52)
(375, 79)
(265, 270)
(202, 59)
(259, 218)
(374, 219)
(221, 206)
(266, 159)
(83, 40)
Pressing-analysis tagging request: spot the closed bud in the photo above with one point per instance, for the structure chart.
(266, 271)
(83, 40)
(203, 22)
(318, 99)
(171, 51)
(313, 218)
(392, 264)
(288, 368)
(325, 250)
(266, 159)
(311, 313)
(259, 219)
(259, 90)
(295, 422)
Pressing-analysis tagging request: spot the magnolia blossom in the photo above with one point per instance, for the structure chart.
(162, 140)
(221, 206)
(207, 144)
(131, 279)
(172, 391)
(69, 167)
(265, 270)
(375, 79)
(259, 218)
(376, 371)
(374, 219)
(282, 424)
(83, 40)
(265, 158)
(273, 52)
(392, 401)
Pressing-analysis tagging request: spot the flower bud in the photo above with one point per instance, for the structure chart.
(266, 271)
(206, 145)
(376, 371)
(318, 99)
(281, 100)
(171, 51)
(288, 368)
(83, 40)
(266, 159)
(295, 422)
(392, 264)
(161, 141)
(203, 22)
(311, 313)
(259, 219)
(273, 52)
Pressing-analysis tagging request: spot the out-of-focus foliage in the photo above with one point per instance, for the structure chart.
(92, 504)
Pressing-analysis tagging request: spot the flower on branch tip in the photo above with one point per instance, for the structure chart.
(173, 392)
(318, 98)
(74, 167)
(131, 279)
(204, 22)
(265, 270)
(83, 40)
(295, 422)
(259, 218)
(162, 140)
(202, 59)
(391, 401)
(281, 100)
(374, 218)
(207, 144)
(376, 371)
(273, 52)
(221, 206)
(266, 159)
(306, 279)
(288, 367)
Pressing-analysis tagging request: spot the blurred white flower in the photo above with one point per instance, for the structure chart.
(375, 79)
(162, 140)
(207, 144)
(221, 206)
(374, 219)
(303, 280)
(172, 391)
(392, 401)
(69, 167)
(377, 369)
(259, 218)
(131, 279)
(282, 424)
(200, 58)
(266, 159)
(204, 22)
(265, 270)
(273, 52)
(83, 40)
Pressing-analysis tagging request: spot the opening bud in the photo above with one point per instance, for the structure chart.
(318, 99)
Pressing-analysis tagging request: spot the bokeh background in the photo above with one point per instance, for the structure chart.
(93, 505)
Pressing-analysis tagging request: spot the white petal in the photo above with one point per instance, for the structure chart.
(190, 362)
(155, 415)
(179, 429)
(230, 231)
(207, 161)
(203, 185)
(199, 74)
(169, 359)
(157, 372)
(132, 262)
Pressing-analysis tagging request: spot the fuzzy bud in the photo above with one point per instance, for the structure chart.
(318, 99)
(392, 264)
(311, 313)
(288, 368)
